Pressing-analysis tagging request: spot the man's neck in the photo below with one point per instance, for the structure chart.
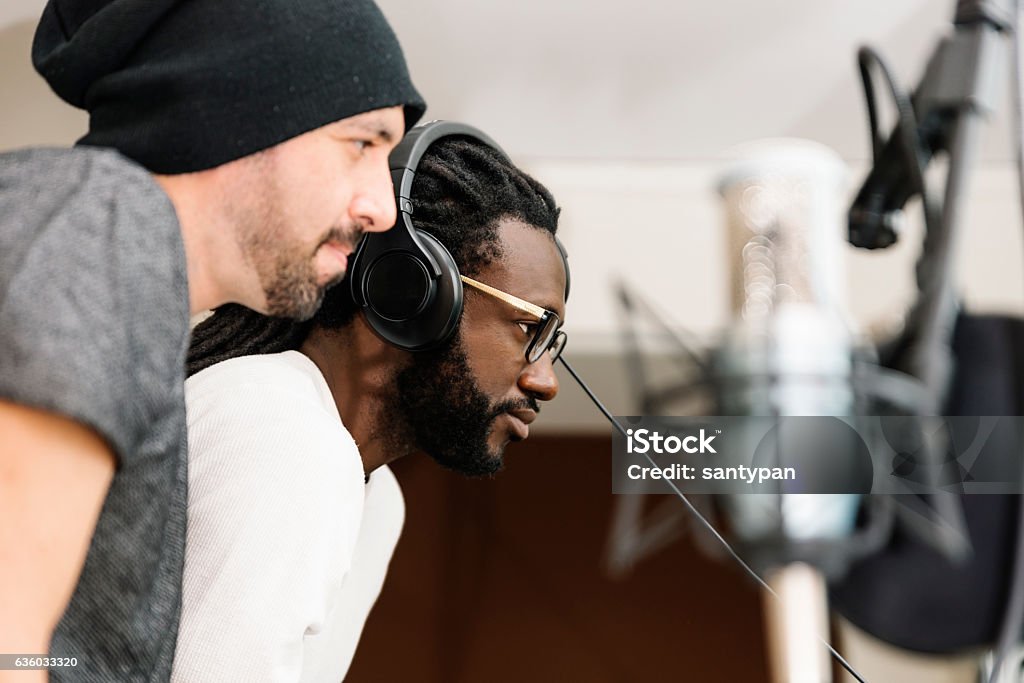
(359, 369)
(213, 258)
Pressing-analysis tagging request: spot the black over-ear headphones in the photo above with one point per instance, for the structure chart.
(405, 280)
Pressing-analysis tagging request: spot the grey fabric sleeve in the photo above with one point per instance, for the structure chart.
(91, 290)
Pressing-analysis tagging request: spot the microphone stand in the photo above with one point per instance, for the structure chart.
(958, 88)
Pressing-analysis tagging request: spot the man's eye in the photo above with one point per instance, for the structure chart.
(362, 145)
(527, 328)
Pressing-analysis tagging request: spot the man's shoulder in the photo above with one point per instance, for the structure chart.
(289, 372)
(83, 193)
(95, 200)
(287, 385)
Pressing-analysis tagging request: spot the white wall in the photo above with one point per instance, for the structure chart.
(624, 110)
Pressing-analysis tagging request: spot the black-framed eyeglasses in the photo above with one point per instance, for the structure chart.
(547, 337)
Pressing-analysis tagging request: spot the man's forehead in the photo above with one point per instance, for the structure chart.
(531, 266)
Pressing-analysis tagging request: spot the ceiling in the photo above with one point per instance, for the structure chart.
(652, 79)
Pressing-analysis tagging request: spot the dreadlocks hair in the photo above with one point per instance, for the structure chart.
(462, 190)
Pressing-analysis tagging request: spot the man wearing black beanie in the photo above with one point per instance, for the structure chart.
(236, 151)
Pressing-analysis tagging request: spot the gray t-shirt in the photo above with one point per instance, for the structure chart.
(94, 325)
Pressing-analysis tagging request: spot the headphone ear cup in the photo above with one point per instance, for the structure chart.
(407, 308)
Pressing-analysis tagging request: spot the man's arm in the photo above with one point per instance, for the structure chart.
(54, 476)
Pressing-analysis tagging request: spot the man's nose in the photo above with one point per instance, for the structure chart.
(373, 206)
(539, 378)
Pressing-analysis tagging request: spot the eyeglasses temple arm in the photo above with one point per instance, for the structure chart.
(522, 305)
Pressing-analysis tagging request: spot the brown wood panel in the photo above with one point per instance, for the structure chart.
(502, 580)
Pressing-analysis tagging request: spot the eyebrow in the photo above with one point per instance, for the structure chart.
(374, 129)
(549, 307)
(561, 316)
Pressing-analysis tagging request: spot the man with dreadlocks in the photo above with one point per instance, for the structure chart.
(293, 513)
(235, 152)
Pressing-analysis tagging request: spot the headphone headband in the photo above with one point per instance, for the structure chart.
(406, 156)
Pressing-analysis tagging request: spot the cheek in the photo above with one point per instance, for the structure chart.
(315, 191)
(325, 196)
(490, 350)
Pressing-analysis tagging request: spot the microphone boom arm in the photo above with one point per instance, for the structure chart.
(958, 87)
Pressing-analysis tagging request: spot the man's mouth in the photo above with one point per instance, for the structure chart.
(341, 249)
(341, 241)
(520, 422)
(338, 251)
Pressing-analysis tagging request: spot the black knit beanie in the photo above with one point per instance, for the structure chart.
(186, 85)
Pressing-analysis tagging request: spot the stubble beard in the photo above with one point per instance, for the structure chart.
(286, 272)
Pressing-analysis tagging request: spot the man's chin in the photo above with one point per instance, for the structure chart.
(306, 308)
(294, 299)
(325, 282)
(477, 465)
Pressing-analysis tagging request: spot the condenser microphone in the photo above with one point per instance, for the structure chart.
(789, 350)
(789, 355)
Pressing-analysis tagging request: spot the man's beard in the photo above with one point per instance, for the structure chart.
(439, 407)
(291, 290)
(288, 276)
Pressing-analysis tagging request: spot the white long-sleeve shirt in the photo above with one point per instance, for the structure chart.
(287, 547)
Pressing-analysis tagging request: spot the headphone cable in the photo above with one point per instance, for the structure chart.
(703, 520)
